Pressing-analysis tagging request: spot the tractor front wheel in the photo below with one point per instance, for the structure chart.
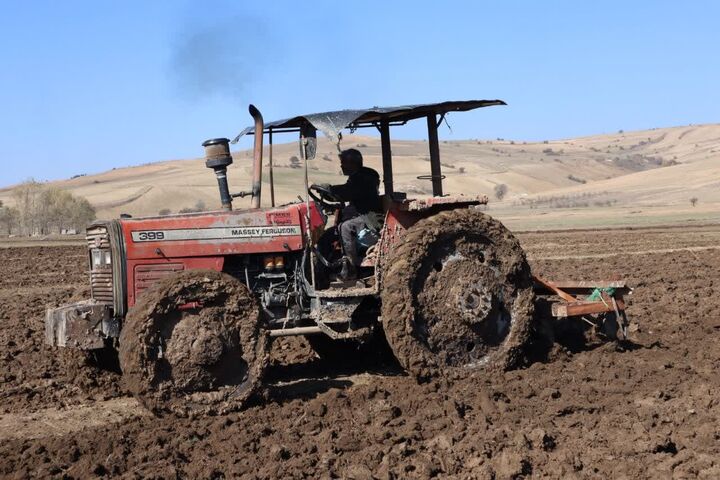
(193, 344)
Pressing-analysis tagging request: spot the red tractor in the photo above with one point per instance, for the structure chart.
(191, 301)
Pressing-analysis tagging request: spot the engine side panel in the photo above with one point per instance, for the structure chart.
(161, 246)
(213, 234)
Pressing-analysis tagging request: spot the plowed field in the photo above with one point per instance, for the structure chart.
(580, 408)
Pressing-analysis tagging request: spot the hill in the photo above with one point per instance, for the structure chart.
(644, 176)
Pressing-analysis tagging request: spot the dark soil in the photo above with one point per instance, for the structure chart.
(32, 375)
(648, 408)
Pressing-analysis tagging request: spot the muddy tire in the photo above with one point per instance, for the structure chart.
(180, 357)
(457, 293)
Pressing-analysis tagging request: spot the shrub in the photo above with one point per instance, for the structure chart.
(199, 207)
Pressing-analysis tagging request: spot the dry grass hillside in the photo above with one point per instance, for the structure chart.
(626, 178)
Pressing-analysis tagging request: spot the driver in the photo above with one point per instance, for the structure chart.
(365, 209)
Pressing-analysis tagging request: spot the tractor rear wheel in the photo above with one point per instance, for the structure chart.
(193, 344)
(457, 293)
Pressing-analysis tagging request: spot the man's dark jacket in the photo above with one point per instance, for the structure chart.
(361, 190)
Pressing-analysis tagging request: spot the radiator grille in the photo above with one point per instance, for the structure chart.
(101, 275)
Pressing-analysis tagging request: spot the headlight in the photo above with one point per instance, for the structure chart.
(100, 258)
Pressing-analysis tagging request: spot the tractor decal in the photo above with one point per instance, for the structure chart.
(217, 233)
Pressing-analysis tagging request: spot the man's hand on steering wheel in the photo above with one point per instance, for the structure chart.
(322, 194)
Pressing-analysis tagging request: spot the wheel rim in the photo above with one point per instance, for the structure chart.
(197, 358)
(460, 312)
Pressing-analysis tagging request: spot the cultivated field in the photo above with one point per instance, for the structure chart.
(581, 408)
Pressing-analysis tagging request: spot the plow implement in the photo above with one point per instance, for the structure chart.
(599, 303)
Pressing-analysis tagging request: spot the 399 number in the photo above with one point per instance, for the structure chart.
(143, 236)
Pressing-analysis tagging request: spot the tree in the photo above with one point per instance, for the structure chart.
(41, 209)
(60, 210)
(294, 162)
(693, 201)
(27, 202)
(500, 190)
(81, 213)
(8, 219)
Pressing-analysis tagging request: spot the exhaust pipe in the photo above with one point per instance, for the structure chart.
(217, 157)
(257, 156)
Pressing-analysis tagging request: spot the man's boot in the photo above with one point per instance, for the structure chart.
(347, 271)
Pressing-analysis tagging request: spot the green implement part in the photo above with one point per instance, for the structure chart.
(596, 295)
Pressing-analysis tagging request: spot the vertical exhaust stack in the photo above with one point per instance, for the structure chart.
(217, 157)
(257, 156)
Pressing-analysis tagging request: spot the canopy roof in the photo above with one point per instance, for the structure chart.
(331, 123)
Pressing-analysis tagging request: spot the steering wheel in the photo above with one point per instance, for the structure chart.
(325, 198)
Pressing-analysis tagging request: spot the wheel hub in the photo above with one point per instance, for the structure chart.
(460, 306)
(206, 349)
(474, 302)
(193, 351)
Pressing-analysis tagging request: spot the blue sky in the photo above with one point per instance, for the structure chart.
(88, 86)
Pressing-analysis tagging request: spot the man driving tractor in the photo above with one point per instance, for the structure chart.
(364, 210)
